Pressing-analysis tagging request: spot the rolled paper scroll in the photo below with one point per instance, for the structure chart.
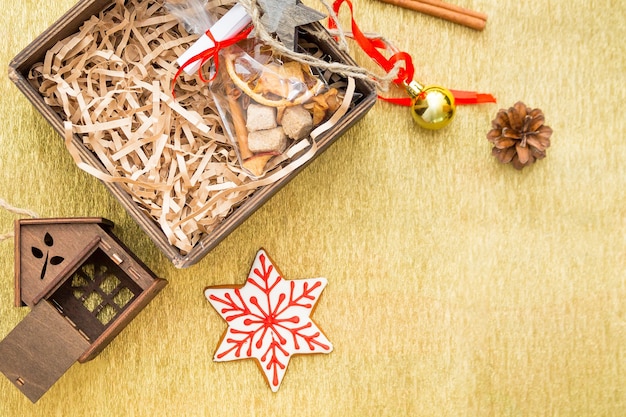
(229, 25)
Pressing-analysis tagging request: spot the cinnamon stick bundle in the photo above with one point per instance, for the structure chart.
(443, 10)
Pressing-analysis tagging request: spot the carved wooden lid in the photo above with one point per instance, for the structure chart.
(39, 350)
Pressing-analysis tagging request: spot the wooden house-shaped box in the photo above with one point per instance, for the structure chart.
(83, 286)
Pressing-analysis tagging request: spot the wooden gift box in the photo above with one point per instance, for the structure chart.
(69, 24)
(83, 287)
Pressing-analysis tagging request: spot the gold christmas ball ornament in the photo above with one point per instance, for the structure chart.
(432, 107)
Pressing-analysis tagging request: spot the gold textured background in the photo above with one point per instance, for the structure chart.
(457, 286)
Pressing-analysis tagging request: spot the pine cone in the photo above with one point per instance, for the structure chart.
(519, 135)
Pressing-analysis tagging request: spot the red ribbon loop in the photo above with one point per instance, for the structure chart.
(211, 53)
(405, 75)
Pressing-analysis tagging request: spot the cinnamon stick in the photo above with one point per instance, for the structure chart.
(239, 121)
(437, 8)
(454, 8)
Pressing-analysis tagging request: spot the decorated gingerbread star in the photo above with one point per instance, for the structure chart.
(284, 16)
(269, 319)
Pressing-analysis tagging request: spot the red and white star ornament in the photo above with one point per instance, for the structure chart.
(269, 319)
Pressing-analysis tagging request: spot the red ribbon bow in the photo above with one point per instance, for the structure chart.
(211, 53)
(371, 46)
(405, 75)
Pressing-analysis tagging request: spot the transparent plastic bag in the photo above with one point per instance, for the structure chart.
(193, 14)
(268, 103)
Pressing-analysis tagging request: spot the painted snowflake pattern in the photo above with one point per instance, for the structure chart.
(269, 319)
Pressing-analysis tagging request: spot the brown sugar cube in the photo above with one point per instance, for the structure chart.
(270, 140)
(297, 122)
(260, 117)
